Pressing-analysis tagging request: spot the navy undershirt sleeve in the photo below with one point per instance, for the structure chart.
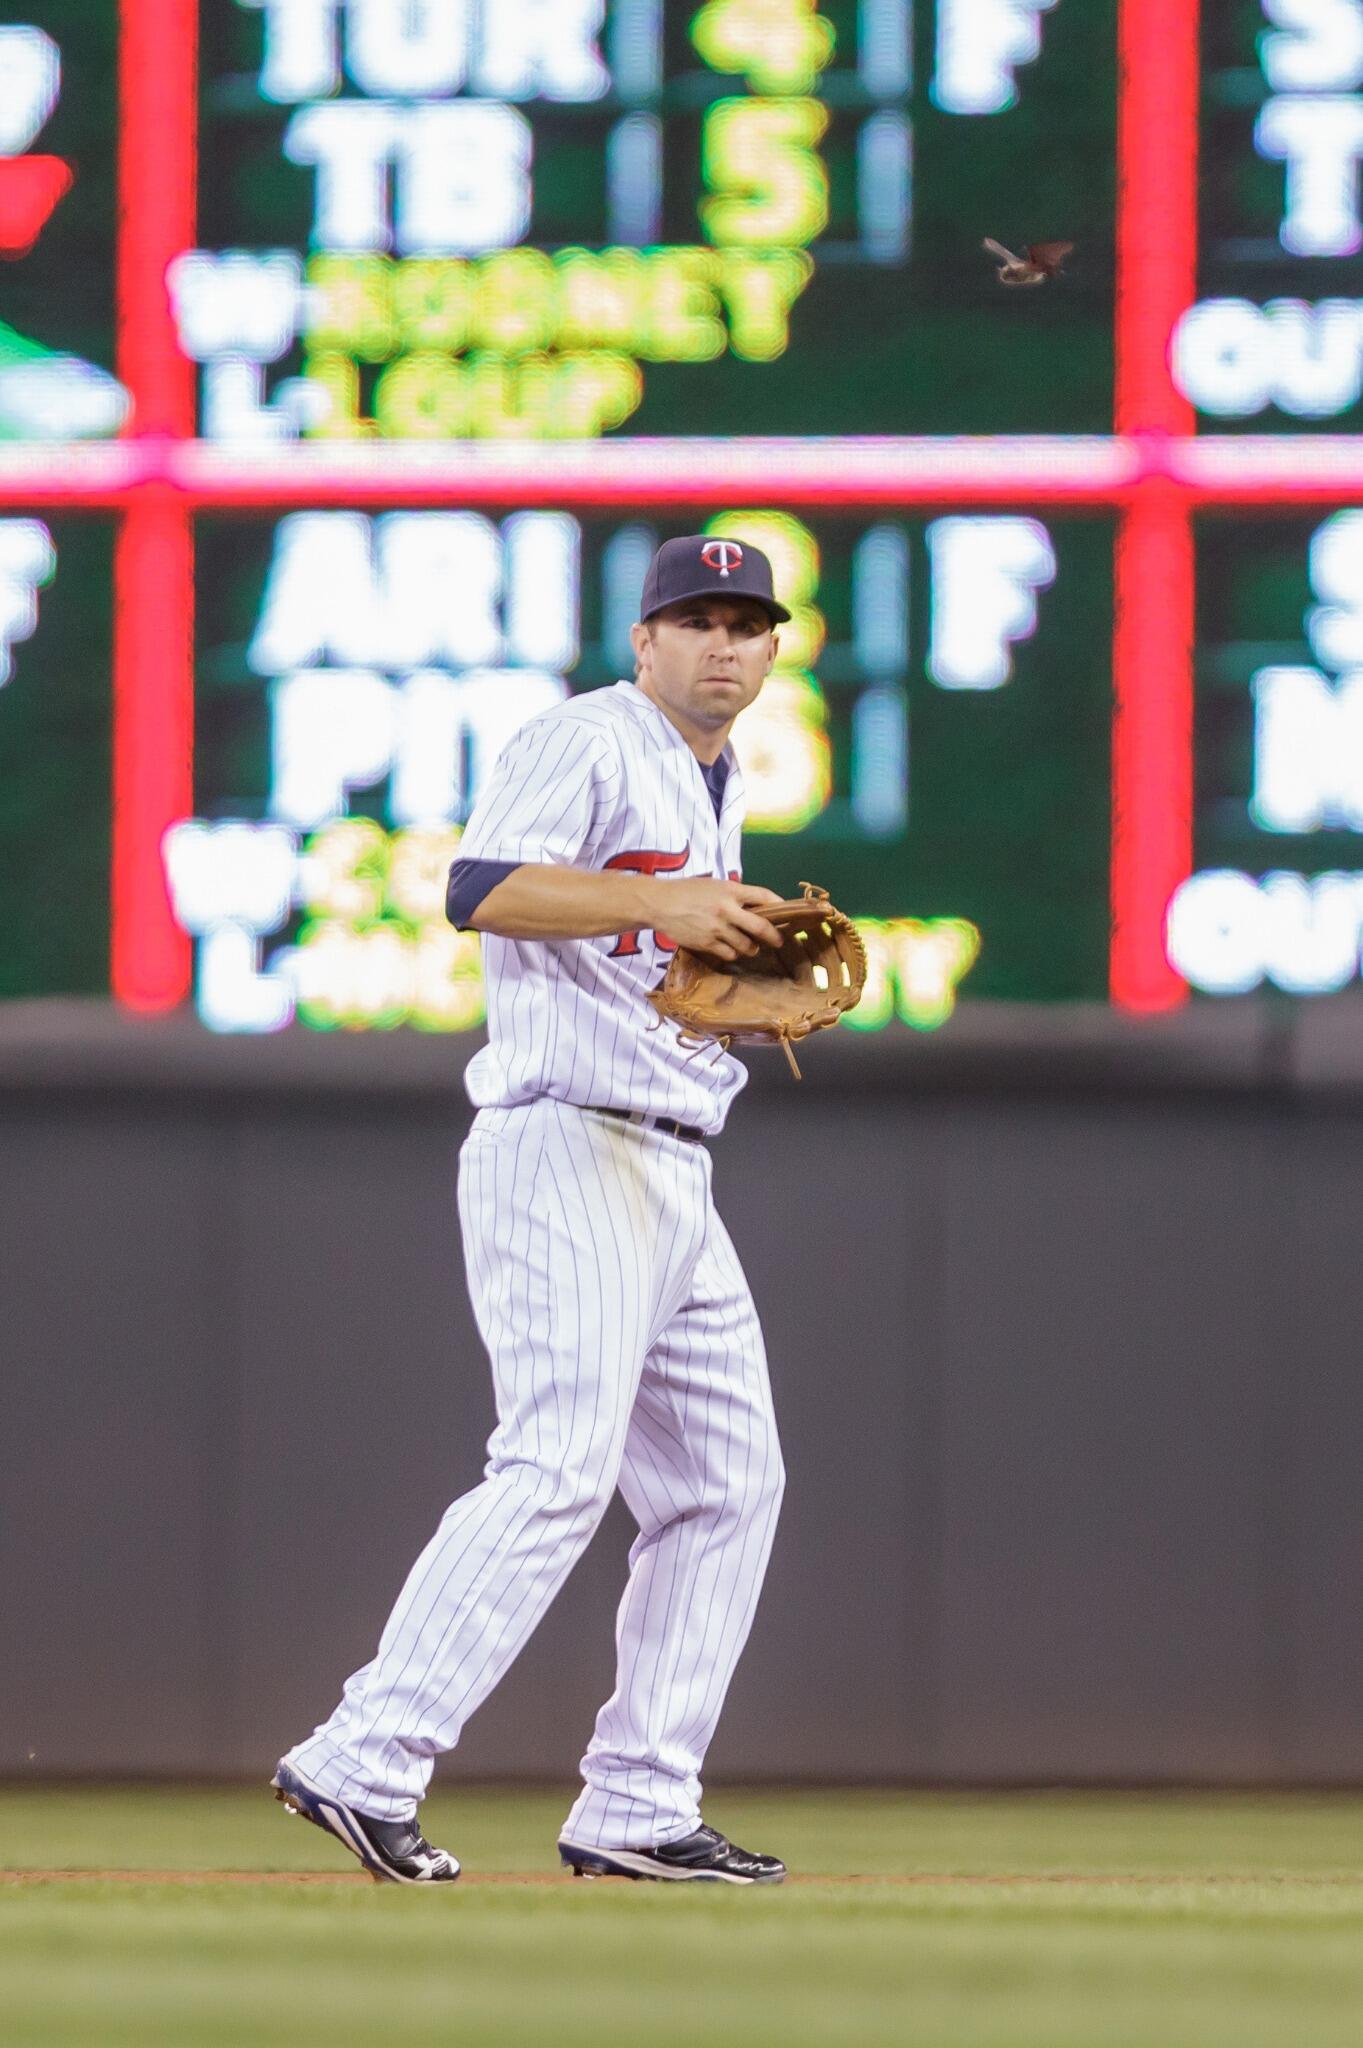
(470, 882)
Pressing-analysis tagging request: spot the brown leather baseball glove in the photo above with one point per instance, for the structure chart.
(772, 996)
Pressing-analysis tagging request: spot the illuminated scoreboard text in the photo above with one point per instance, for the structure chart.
(1277, 896)
(1278, 325)
(562, 221)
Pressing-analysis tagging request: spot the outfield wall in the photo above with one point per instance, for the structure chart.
(1062, 1314)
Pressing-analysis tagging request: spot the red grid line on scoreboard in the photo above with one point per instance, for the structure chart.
(1152, 470)
(1152, 649)
(1017, 469)
(154, 558)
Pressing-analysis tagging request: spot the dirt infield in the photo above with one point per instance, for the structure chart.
(928, 1880)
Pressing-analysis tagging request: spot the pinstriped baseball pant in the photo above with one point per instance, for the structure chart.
(625, 1352)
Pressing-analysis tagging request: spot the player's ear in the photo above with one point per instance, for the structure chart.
(775, 650)
(639, 638)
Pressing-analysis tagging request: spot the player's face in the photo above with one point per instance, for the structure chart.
(704, 661)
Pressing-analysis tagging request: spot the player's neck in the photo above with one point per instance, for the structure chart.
(706, 744)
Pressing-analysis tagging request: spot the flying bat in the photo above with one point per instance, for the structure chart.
(1043, 260)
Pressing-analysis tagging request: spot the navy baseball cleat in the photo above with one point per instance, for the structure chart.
(392, 1851)
(707, 1857)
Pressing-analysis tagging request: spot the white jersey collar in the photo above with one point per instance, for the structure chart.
(648, 713)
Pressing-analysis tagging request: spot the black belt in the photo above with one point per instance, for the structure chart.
(666, 1124)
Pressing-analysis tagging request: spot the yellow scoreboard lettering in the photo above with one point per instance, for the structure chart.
(447, 980)
(767, 182)
(337, 377)
(344, 870)
(432, 302)
(595, 391)
(782, 739)
(784, 751)
(374, 950)
(521, 342)
(350, 306)
(353, 980)
(419, 862)
(422, 397)
(510, 397)
(683, 307)
(779, 46)
(516, 308)
(914, 968)
(759, 288)
(601, 298)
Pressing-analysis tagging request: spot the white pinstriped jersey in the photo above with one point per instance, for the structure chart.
(601, 781)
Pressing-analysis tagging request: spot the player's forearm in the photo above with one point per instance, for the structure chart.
(566, 903)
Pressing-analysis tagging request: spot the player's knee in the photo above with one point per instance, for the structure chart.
(572, 1493)
(581, 1493)
(773, 1482)
(763, 1485)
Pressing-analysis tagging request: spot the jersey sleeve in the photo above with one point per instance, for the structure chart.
(547, 798)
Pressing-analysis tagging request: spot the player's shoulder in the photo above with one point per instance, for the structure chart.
(606, 712)
(590, 724)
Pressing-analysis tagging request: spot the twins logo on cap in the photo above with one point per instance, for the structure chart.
(722, 555)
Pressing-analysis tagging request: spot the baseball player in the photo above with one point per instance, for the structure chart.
(625, 1347)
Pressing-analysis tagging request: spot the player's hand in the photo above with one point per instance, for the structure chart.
(723, 918)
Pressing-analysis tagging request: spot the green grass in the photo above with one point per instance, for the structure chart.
(1232, 1923)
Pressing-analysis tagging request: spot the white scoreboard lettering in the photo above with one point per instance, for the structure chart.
(986, 573)
(338, 730)
(386, 600)
(1229, 931)
(1319, 136)
(1308, 730)
(412, 588)
(421, 49)
(30, 85)
(1335, 625)
(28, 561)
(980, 46)
(1308, 750)
(1314, 45)
(1232, 357)
(447, 180)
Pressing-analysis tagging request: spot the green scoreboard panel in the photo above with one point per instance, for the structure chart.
(738, 217)
(55, 662)
(932, 745)
(58, 123)
(1276, 899)
(1275, 340)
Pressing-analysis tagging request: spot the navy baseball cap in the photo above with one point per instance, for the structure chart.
(703, 565)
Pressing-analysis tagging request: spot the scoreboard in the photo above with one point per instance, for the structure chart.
(356, 354)
(1275, 335)
(1275, 339)
(740, 217)
(358, 673)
